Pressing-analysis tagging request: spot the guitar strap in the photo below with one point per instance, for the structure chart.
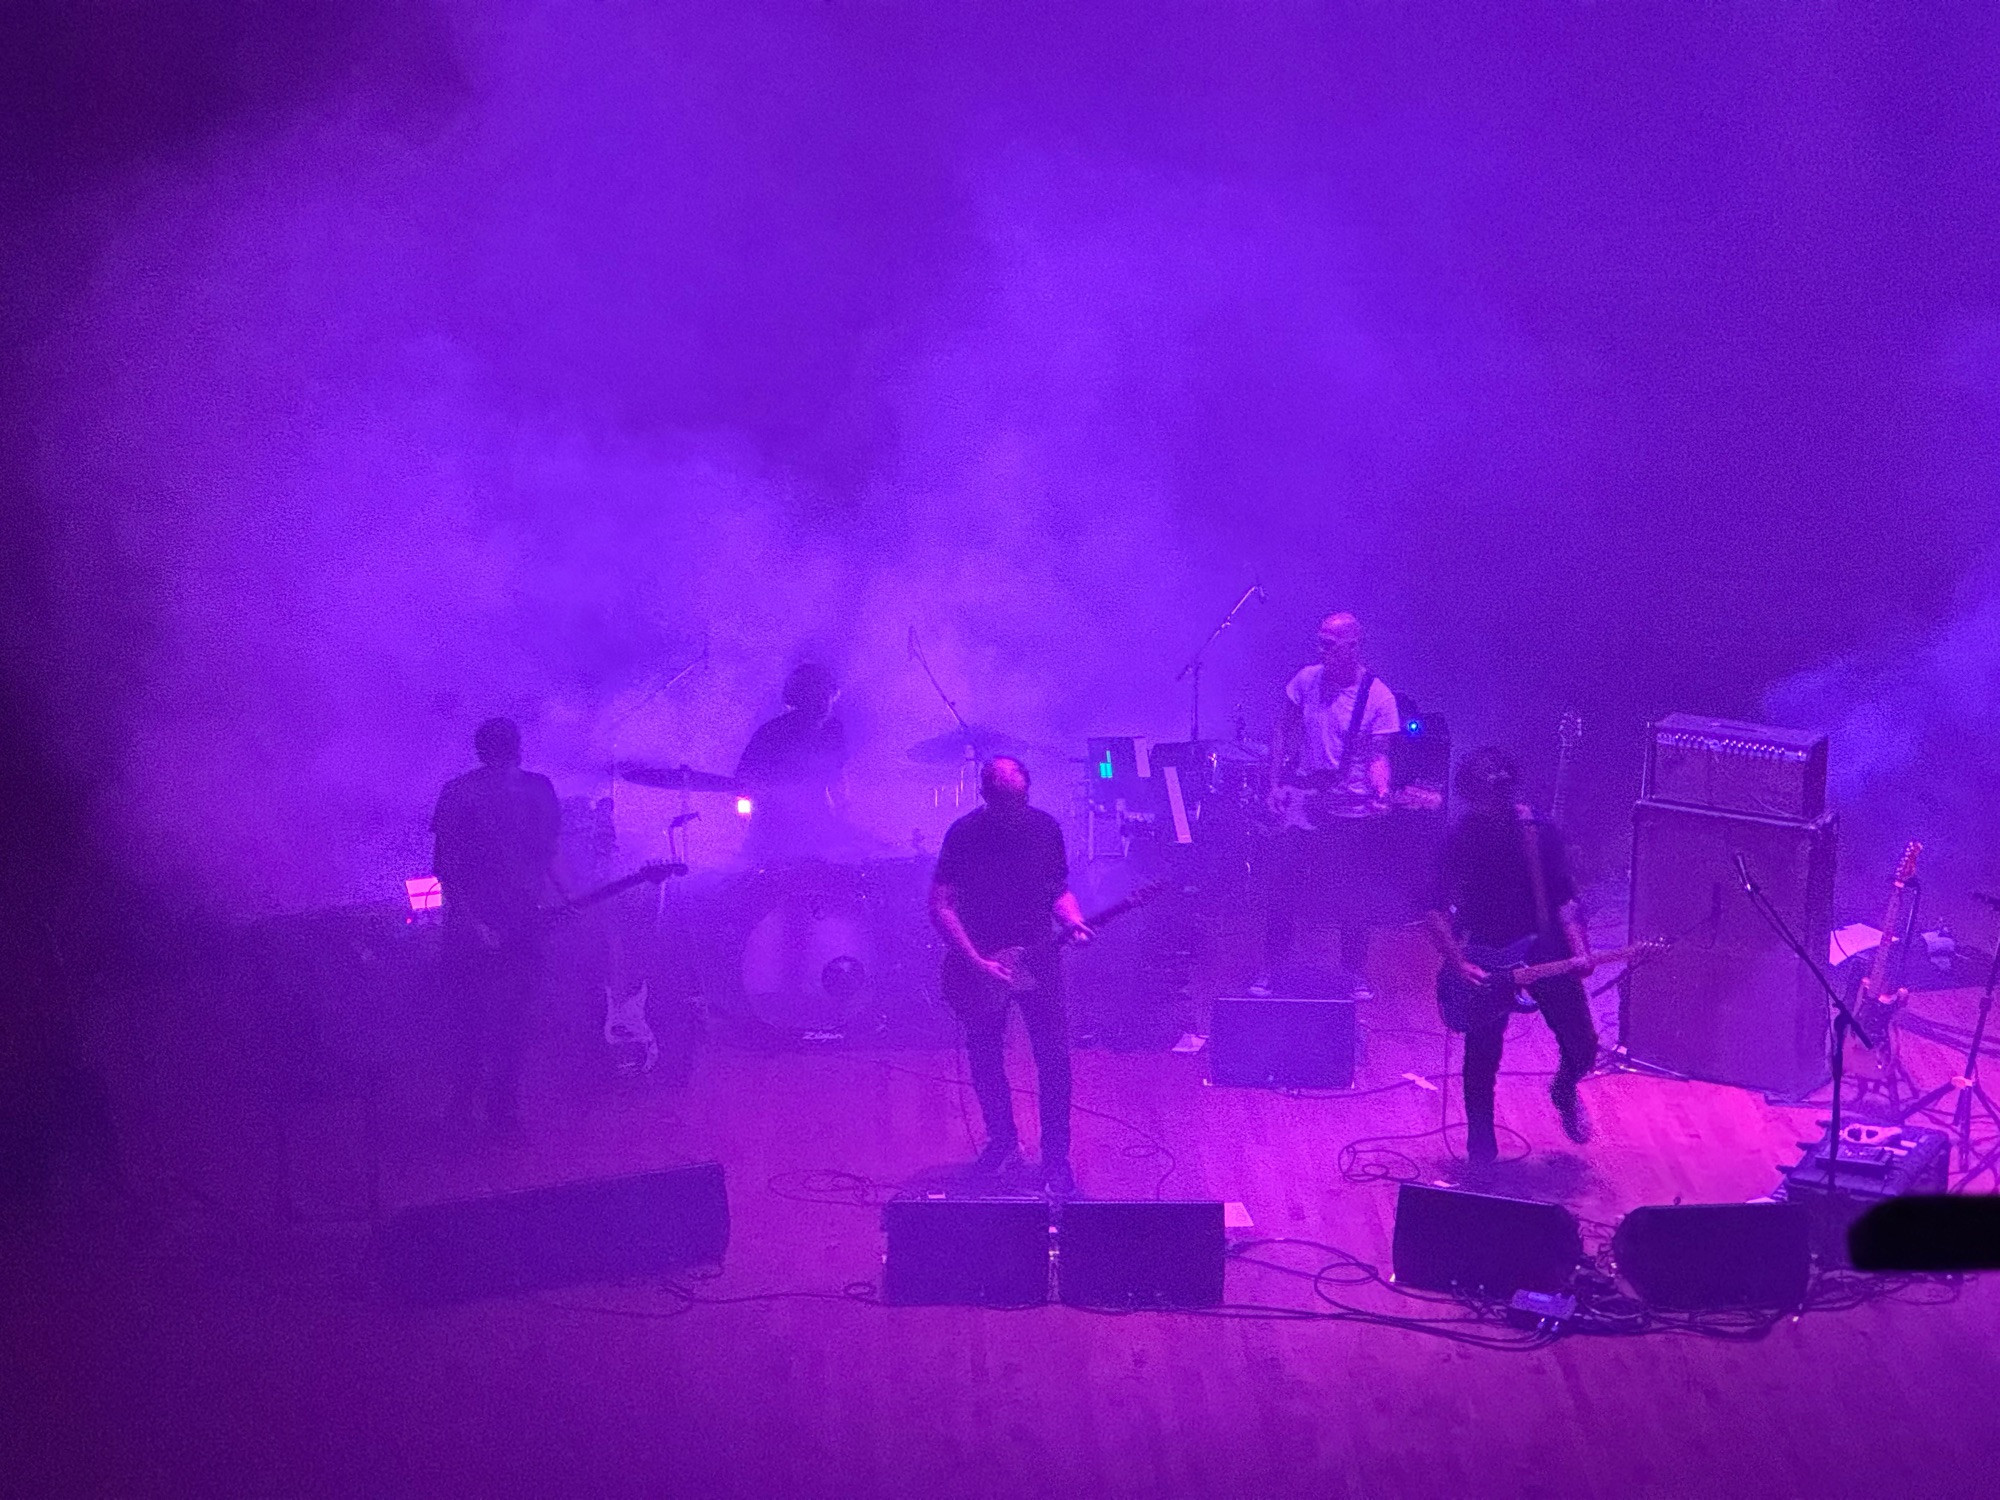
(1348, 740)
(1536, 877)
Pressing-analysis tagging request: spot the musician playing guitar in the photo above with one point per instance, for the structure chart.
(1330, 790)
(497, 828)
(1504, 888)
(1002, 877)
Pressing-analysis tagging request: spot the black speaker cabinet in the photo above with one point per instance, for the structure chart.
(1698, 1256)
(1728, 1002)
(967, 1252)
(1282, 1043)
(1478, 1245)
(558, 1236)
(1140, 1254)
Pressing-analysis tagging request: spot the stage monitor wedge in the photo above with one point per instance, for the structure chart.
(1478, 1245)
(980, 1252)
(1698, 1257)
(603, 1230)
(1143, 1254)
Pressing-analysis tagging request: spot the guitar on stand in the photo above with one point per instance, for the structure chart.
(626, 1030)
(1876, 1000)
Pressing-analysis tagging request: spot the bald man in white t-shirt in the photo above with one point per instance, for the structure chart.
(1330, 788)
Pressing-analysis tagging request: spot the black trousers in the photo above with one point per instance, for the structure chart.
(1566, 1008)
(981, 1005)
(1329, 873)
(490, 995)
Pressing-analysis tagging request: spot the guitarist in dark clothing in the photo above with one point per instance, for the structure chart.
(1504, 882)
(1002, 875)
(497, 829)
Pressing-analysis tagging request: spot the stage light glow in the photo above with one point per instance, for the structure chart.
(745, 807)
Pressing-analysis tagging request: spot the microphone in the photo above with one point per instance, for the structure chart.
(1258, 585)
(1743, 874)
(1991, 900)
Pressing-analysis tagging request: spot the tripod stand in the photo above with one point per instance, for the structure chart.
(1967, 1091)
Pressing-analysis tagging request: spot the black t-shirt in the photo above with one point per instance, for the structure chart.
(496, 830)
(795, 748)
(1483, 878)
(1007, 870)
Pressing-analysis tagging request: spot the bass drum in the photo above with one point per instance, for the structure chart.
(809, 961)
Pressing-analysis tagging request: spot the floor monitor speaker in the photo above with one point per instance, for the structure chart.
(1144, 1254)
(973, 1252)
(1479, 1245)
(1700, 1256)
(574, 1232)
(1282, 1043)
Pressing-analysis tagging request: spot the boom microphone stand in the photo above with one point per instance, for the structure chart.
(1193, 668)
(1843, 1019)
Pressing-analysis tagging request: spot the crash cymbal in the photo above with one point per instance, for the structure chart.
(941, 749)
(676, 778)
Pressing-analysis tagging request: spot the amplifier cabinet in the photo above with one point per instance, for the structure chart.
(1728, 1001)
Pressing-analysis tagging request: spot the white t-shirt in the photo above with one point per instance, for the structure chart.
(1326, 726)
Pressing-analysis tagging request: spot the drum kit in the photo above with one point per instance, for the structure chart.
(827, 947)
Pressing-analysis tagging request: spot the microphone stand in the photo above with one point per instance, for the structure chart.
(1193, 668)
(1843, 1022)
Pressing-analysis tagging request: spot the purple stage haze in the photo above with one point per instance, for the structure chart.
(385, 367)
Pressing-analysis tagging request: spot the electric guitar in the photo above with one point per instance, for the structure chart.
(1312, 799)
(1874, 1003)
(651, 873)
(1569, 734)
(1508, 974)
(626, 1030)
(1014, 958)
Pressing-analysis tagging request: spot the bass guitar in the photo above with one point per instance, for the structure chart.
(626, 1030)
(1875, 1001)
(1508, 974)
(1014, 958)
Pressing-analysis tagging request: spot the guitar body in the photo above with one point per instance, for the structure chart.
(628, 1033)
(1462, 1003)
(1022, 959)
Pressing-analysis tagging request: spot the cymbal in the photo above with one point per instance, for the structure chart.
(941, 749)
(676, 778)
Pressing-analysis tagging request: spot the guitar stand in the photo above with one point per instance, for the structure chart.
(1970, 1097)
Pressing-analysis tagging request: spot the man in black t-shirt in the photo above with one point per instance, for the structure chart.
(1002, 879)
(1489, 895)
(497, 828)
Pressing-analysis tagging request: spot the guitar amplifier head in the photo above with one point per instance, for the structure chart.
(1726, 766)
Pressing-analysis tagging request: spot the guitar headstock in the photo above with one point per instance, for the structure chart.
(1569, 731)
(1906, 867)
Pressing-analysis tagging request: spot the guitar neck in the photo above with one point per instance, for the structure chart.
(1536, 973)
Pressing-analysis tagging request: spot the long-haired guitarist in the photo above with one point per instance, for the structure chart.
(497, 829)
(1504, 900)
(1002, 878)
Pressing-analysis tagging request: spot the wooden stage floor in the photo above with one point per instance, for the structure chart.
(200, 1344)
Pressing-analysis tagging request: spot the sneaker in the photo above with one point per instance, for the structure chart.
(1575, 1123)
(1058, 1181)
(1259, 988)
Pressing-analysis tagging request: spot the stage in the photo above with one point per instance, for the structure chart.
(221, 1333)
